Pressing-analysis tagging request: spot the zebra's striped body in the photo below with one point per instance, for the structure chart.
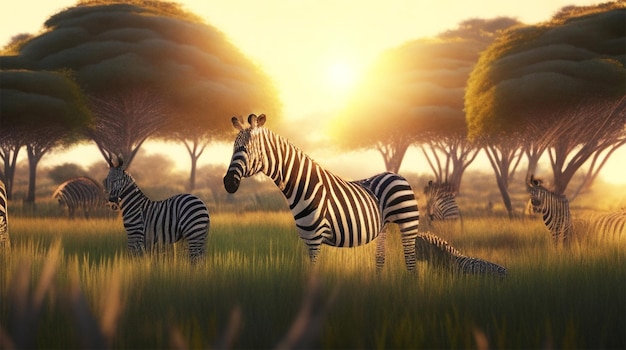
(326, 208)
(441, 254)
(554, 209)
(150, 224)
(80, 192)
(441, 202)
(4, 218)
(609, 226)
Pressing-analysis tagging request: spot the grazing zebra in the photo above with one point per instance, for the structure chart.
(80, 192)
(326, 208)
(441, 202)
(150, 224)
(554, 209)
(441, 254)
(5, 242)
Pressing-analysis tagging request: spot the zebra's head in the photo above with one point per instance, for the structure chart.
(538, 194)
(248, 154)
(116, 181)
(536, 191)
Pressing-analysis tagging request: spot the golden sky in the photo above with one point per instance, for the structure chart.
(315, 49)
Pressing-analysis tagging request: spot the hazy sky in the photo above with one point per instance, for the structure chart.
(314, 49)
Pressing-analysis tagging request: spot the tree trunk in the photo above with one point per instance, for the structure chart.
(195, 148)
(192, 175)
(9, 157)
(503, 186)
(34, 156)
(393, 156)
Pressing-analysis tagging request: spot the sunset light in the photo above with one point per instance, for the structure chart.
(341, 76)
(312, 174)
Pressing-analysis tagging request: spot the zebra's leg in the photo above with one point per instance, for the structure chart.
(409, 235)
(380, 250)
(314, 251)
(314, 240)
(135, 246)
(197, 248)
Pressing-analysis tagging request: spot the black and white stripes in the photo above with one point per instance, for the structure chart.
(554, 209)
(440, 202)
(440, 254)
(610, 226)
(80, 192)
(152, 223)
(4, 218)
(326, 208)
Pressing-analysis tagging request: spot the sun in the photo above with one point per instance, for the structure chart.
(341, 76)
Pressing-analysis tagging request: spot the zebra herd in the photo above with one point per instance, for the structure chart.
(332, 211)
(327, 209)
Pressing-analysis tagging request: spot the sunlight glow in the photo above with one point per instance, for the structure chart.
(341, 76)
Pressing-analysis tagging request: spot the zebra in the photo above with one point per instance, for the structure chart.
(610, 225)
(327, 209)
(150, 224)
(554, 209)
(439, 253)
(441, 203)
(5, 242)
(80, 192)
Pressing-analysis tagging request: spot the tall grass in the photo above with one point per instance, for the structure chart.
(256, 274)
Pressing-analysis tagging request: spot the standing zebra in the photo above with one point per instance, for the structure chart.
(441, 203)
(326, 208)
(554, 209)
(80, 192)
(556, 215)
(439, 253)
(150, 224)
(5, 242)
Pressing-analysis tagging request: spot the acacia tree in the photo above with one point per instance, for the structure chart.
(414, 95)
(559, 85)
(151, 69)
(10, 140)
(41, 110)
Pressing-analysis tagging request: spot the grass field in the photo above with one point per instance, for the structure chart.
(252, 287)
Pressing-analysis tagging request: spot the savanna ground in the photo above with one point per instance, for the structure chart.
(251, 291)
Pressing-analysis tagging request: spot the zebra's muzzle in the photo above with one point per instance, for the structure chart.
(231, 182)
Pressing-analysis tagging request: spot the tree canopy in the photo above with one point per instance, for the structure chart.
(39, 110)
(414, 93)
(531, 74)
(189, 68)
(559, 85)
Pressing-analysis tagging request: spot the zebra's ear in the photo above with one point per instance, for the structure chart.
(120, 161)
(237, 123)
(252, 120)
(261, 120)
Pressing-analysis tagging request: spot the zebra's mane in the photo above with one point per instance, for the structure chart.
(303, 156)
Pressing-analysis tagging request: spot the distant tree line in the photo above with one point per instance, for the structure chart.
(511, 90)
(118, 73)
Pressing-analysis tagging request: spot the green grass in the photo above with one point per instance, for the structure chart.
(554, 298)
